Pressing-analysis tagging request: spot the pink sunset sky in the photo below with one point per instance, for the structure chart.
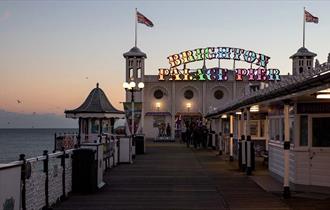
(53, 53)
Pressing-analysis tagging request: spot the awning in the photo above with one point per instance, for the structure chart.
(158, 114)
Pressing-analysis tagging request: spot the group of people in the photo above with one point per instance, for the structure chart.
(164, 131)
(194, 133)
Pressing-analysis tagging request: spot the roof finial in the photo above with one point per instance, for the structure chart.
(97, 85)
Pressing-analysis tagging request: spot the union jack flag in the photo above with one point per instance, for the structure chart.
(310, 18)
(143, 19)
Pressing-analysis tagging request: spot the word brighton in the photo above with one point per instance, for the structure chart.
(218, 53)
(219, 74)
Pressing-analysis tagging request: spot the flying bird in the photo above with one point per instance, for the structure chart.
(86, 77)
(19, 101)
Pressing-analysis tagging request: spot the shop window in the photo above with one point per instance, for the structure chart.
(158, 94)
(321, 134)
(291, 128)
(303, 130)
(188, 94)
(218, 94)
(276, 128)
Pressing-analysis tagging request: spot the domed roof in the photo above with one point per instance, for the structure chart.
(135, 52)
(303, 52)
(96, 102)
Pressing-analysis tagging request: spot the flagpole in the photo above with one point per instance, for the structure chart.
(304, 28)
(135, 26)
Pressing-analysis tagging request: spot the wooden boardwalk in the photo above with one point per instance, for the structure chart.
(171, 176)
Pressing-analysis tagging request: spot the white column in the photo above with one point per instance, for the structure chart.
(231, 135)
(286, 190)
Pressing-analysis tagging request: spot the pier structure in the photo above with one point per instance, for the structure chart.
(293, 116)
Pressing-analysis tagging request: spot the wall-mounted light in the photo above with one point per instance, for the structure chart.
(188, 105)
(224, 116)
(323, 94)
(238, 113)
(254, 108)
(157, 106)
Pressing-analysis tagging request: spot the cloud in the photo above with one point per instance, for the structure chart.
(5, 15)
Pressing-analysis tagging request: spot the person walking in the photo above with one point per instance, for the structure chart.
(168, 130)
(188, 134)
(183, 133)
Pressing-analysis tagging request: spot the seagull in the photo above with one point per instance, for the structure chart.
(18, 101)
(86, 77)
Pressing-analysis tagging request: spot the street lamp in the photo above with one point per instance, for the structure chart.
(131, 87)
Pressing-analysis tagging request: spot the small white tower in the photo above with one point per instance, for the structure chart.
(302, 61)
(134, 69)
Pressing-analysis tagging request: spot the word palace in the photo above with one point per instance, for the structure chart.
(219, 74)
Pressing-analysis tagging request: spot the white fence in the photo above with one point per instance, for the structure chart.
(45, 180)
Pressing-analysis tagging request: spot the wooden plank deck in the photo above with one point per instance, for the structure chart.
(171, 176)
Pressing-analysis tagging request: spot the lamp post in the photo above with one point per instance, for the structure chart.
(131, 87)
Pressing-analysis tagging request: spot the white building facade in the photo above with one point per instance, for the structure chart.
(173, 102)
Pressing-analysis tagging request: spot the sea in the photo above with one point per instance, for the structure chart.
(31, 142)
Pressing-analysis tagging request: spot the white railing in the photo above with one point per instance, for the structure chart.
(44, 180)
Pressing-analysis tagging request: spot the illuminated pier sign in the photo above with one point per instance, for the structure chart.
(219, 74)
(218, 53)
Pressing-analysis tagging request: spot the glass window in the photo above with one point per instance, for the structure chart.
(254, 128)
(218, 94)
(321, 134)
(139, 73)
(262, 128)
(188, 94)
(158, 94)
(95, 126)
(105, 126)
(303, 130)
(291, 122)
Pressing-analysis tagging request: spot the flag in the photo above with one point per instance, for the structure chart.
(143, 19)
(310, 18)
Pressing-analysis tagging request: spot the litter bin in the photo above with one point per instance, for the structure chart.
(139, 144)
(84, 171)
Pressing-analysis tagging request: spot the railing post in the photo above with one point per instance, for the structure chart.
(63, 174)
(45, 153)
(23, 181)
(55, 141)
